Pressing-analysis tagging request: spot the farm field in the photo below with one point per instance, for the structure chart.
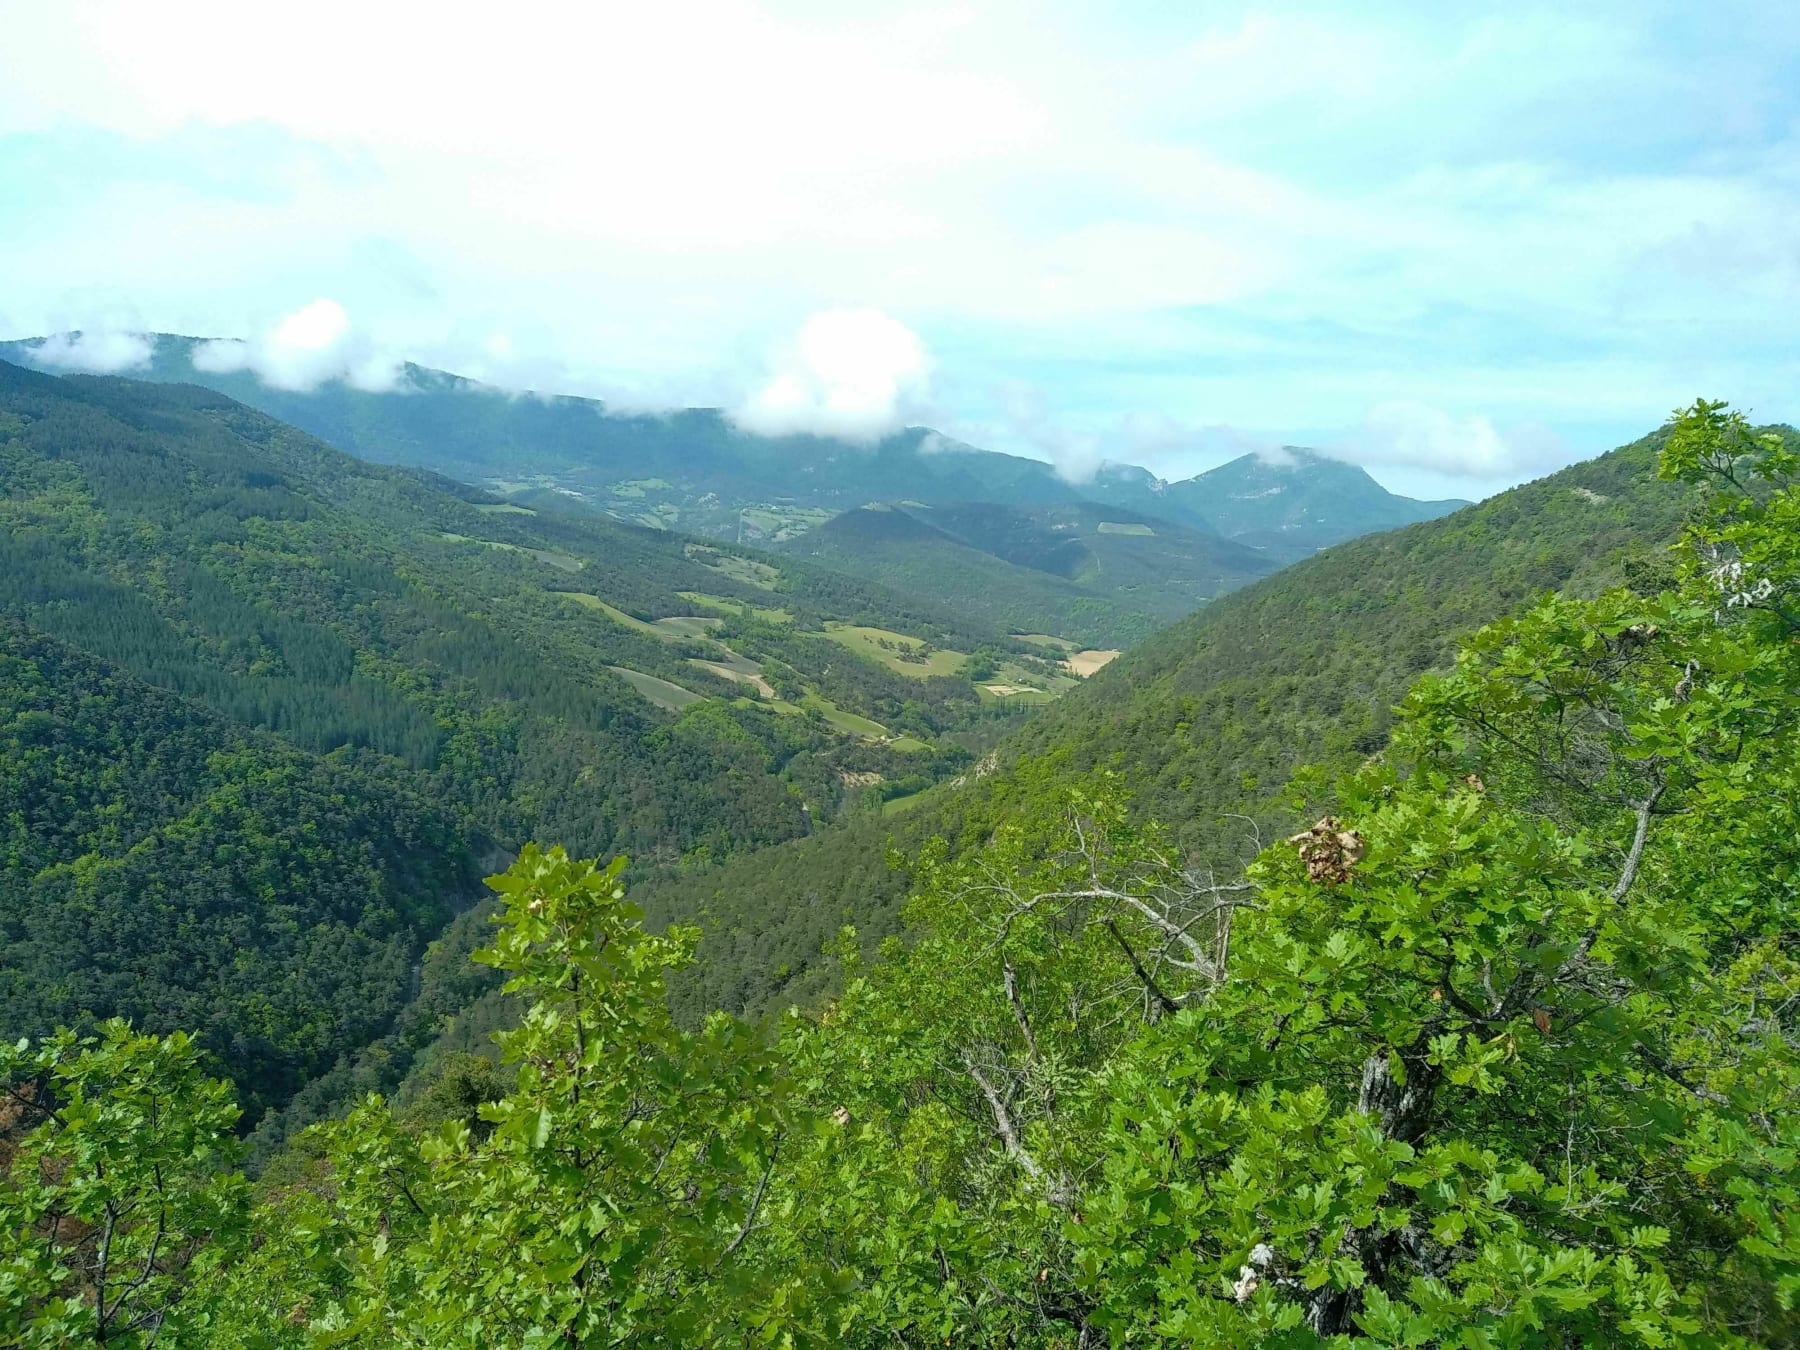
(618, 616)
(746, 570)
(1086, 663)
(764, 613)
(891, 650)
(563, 562)
(663, 693)
(686, 625)
(848, 722)
(740, 670)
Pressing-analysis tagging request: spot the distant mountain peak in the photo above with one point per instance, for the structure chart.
(1290, 500)
(695, 470)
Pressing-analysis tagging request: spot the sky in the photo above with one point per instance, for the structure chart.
(1458, 244)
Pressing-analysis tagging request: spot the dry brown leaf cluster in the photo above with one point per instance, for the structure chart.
(1329, 851)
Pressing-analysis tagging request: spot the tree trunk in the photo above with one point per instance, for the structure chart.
(1404, 1113)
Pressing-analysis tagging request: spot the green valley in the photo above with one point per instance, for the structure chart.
(315, 629)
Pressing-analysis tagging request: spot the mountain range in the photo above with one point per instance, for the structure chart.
(694, 470)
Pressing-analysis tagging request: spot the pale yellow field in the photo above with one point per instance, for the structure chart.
(1087, 662)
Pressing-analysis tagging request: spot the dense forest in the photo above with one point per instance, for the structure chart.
(1499, 1050)
(160, 863)
(269, 711)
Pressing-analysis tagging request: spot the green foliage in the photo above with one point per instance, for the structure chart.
(1501, 1052)
(116, 1196)
(605, 1196)
(161, 864)
(265, 710)
(1208, 721)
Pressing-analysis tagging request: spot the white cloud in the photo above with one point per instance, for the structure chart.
(1078, 447)
(303, 350)
(854, 373)
(99, 352)
(1413, 435)
(1273, 215)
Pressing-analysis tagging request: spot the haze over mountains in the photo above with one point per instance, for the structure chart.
(693, 470)
(1100, 563)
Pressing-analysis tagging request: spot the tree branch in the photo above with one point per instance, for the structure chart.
(1628, 874)
(762, 1188)
(1151, 987)
(1012, 997)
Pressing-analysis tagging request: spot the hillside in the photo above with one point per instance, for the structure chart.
(1213, 715)
(691, 470)
(1101, 575)
(161, 863)
(250, 672)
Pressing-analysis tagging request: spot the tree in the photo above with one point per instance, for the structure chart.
(1499, 1052)
(615, 1196)
(117, 1193)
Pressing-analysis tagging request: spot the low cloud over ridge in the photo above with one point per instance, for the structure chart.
(303, 350)
(853, 373)
(100, 352)
(1404, 434)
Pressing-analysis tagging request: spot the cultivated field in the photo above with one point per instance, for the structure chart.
(892, 650)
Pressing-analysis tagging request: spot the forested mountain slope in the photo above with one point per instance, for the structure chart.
(1102, 575)
(1502, 1051)
(1212, 716)
(1306, 666)
(1296, 501)
(216, 552)
(159, 862)
(666, 464)
(1289, 502)
(271, 707)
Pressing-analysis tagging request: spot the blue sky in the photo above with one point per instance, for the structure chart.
(1459, 244)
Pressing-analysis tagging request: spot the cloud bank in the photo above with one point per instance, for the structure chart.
(303, 350)
(1273, 215)
(97, 352)
(852, 373)
(1412, 435)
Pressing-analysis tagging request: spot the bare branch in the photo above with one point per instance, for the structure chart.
(1012, 997)
(1627, 875)
(1056, 1189)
